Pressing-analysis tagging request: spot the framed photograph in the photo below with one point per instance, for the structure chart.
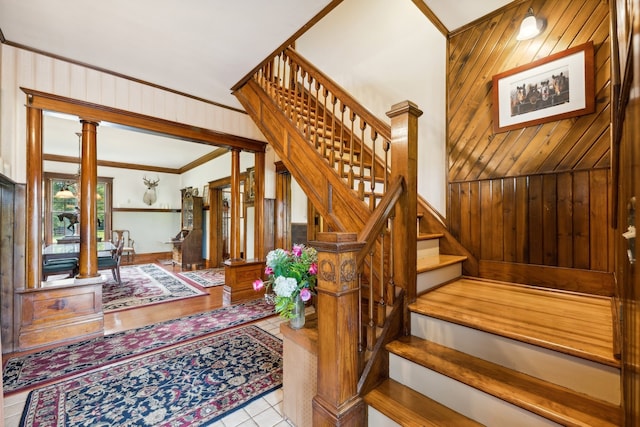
(205, 195)
(552, 88)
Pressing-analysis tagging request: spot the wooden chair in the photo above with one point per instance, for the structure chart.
(129, 243)
(59, 266)
(112, 262)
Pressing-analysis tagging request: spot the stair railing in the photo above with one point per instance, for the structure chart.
(353, 140)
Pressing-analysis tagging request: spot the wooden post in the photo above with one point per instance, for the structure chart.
(235, 207)
(258, 226)
(88, 262)
(33, 227)
(337, 402)
(404, 163)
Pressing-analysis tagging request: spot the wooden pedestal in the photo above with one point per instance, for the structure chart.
(300, 379)
(238, 280)
(59, 314)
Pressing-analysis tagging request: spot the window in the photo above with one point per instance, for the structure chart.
(61, 213)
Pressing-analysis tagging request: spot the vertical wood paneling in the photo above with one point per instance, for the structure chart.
(549, 217)
(536, 242)
(598, 208)
(522, 219)
(540, 193)
(510, 220)
(581, 228)
(486, 235)
(565, 221)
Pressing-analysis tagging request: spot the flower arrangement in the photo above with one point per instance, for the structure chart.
(290, 274)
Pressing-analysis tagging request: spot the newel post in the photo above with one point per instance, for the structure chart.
(404, 163)
(337, 402)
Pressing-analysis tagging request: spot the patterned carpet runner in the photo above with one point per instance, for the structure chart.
(44, 366)
(193, 384)
(143, 285)
(206, 278)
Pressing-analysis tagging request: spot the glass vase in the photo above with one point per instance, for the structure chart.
(297, 321)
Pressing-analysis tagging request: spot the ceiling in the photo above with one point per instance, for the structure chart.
(199, 47)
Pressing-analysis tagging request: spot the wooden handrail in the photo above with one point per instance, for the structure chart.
(377, 221)
(383, 128)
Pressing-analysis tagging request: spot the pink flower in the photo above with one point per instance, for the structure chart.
(268, 271)
(297, 250)
(305, 294)
(258, 285)
(313, 269)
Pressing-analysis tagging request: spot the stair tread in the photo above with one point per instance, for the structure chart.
(429, 236)
(548, 400)
(429, 263)
(576, 324)
(410, 408)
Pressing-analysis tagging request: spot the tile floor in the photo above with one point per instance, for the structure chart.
(263, 412)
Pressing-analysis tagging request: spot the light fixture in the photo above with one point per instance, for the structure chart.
(531, 26)
(65, 192)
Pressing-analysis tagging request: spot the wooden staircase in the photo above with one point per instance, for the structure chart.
(498, 354)
(479, 352)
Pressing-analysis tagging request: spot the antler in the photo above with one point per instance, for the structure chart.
(150, 183)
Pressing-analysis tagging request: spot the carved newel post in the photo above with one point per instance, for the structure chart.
(337, 402)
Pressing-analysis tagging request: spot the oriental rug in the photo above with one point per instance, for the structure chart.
(35, 369)
(206, 278)
(193, 384)
(143, 285)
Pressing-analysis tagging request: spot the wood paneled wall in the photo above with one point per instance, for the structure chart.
(541, 194)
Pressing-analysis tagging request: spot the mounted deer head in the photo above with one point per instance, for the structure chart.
(150, 194)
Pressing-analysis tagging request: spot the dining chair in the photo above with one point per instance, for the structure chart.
(59, 266)
(129, 244)
(112, 262)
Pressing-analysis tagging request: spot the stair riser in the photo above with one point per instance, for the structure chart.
(432, 278)
(591, 378)
(378, 419)
(466, 400)
(427, 248)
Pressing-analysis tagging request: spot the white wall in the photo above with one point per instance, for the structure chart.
(384, 52)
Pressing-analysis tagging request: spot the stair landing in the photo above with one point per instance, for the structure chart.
(576, 324)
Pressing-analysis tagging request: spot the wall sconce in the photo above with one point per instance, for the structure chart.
(531, 26)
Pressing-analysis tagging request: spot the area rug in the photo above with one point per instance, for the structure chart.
(206, 278)
(38, 368)
(143, 285)
(192, 384)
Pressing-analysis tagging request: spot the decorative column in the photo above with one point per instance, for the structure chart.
(235, 207)
(258, 227)
(337, 402)
(88, 263)
(404, 163)
(33, 224)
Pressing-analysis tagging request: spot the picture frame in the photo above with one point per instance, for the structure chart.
(552, 88)
(205, 195)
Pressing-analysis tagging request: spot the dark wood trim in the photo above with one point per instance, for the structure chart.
(116, 74)
(567, 279)
(96, 112)
(420, 4)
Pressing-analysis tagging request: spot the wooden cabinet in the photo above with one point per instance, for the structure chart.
(187, 244)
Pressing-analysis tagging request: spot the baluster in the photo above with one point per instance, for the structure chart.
(382, 313)
(361, 330)
(315, 117)
(333, 131)
(372, 173)
(309, 100)
(371, 330)
(363, 126)
(303, 78)
(391, 285)
(325, 92)
(280, 83)
(352, 117)
(386, 145)
(341, 159)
